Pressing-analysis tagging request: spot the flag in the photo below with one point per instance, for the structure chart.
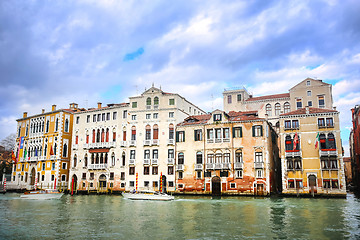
(25, 154)
(13, 157)
(296, 141)
(51, 150)
(317, 141)
(36, 152)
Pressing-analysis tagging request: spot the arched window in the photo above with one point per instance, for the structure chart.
(47, 126)
(171, 131)
(92, 158)
(277, 109)
(85, 160)
(101, 158)
(65, 150)
(322, 138)
(75, 161)
(181, 158)
(97, 158)
(155, 132)
(98, 136)
(94, 136)
(147, 132)
(268, 109)
(331, 141)
(148, 101)
(133, 133)
(286, 107)
(56, 124)
(42, 127)
(123, 158)
(45, 150)
(19, 132)
(55, 148)
(199, 158)
(27, 130)
(114, 135)
(238, 156)
(288, 143)
(107, 135)
(66, 129)
(106, 158)
(156, 101)
(102, 135)
(113, 159)
(124, 134)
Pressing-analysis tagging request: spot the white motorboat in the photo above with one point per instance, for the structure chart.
(148, 195)
(42, 194)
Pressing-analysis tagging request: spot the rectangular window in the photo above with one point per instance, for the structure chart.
(77, 120)
(298, 103)
(232, 185)
(229, 99)
(310, 103)
(259, 173)
(53, 166)
(180, 136)
(94, 118)
(217, 117)
(224, 173)
(172, 101)
(146, 170)
(92, 176)
(180, 175)
(170, 153)
(207, 174)
(171, 114)
(329, 122)
(132, 183)
(125, 114)
(321, 122)
(239, 97)
(309, 93)
(114, 115)
(103, 117)
(155, 184)
(132, 154)
(42, 177)
(134, 105)
(148, 116)
(133, 117)
(122, 176)
(171, 184)
(287, 124)
(257, 131)
(52, 177)
(88, 118)
(237, 132)
(258, 157)
(170, 170)
(131, 170)
(295, 124)
(43, 166)
(198, 174)
(198, 135)
(226, 133)
(291, 183)
(239, 173)
(154, 170)
(111, 176)
(99, 117)
(308, 83)
(64, 165)
(210, 134)
(155, 115)
(321, 101)
(108, 116)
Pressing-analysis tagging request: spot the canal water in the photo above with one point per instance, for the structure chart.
(113, 217)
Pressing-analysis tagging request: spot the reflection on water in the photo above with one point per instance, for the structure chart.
(89, 217)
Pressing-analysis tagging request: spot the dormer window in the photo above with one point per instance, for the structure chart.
(308, 83)
(217, 117)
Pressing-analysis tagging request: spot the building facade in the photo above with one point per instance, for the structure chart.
(43, 149)
(311, 153)
(355, 147)
(133, 150)
(226, 153)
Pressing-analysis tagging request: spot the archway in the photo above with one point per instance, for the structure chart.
(216, 186)
(74, 182)
(32, 176)
(163, 183)
(312, 183)
(102, 182)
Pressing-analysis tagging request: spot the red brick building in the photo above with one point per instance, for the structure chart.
(355, 146)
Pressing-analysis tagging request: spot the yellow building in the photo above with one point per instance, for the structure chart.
(43, 146)
(311, 152)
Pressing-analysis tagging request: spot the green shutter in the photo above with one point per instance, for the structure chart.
(177, 136)
(253, 131)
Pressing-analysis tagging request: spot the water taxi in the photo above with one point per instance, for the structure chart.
(42, 194)
(148, 195)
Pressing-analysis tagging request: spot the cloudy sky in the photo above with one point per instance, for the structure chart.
(85, 51)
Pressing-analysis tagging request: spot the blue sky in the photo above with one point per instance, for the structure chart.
(57, 52)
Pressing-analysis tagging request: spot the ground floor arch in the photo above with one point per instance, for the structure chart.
(216, 186)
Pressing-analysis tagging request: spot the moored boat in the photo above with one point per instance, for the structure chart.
(42, 194)
(148, 195)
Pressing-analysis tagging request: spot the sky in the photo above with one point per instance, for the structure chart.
(89, 51)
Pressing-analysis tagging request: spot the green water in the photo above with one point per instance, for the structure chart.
(113, 217)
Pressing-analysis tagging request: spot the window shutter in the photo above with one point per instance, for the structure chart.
(195, 135)
(184, 136)
(253, 131)
(233, 132)
(241, 132)
(261, 131)
(177, 136)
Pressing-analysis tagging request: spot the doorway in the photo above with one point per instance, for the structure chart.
(102, 182)
(74, 183)
(260, 189)
(32, 177)
(216, 186)
(312, 183)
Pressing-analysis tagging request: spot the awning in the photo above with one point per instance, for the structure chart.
(99, 150)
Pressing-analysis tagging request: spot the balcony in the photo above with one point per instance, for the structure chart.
(154, 161)
(198, 167)
(86, 146)
(155, 142)
(325, 126)
(146, 161)
(238, 165)
(52, 157)
(123, 143)
(226, 140)
(328, 152)
(170, 161)
(133, 143)
(209, 166)
(180, 167)
(218, 166)
(102, 145)
(98, 166)
(75, 146)
(33, 159)
(259, 164)
(210, 141)
(226, 166)
(148, 107)
(170, 141)
(156, 107)
(42, 158)
(131, 161)
(217, 140)
(147, 142)
(292, 153)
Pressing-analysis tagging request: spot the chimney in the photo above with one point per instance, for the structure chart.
(99, 104)
(25, 115)
(43, 110)
(307, 109)
(73, 106)
(334, 108)
(53, 108)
